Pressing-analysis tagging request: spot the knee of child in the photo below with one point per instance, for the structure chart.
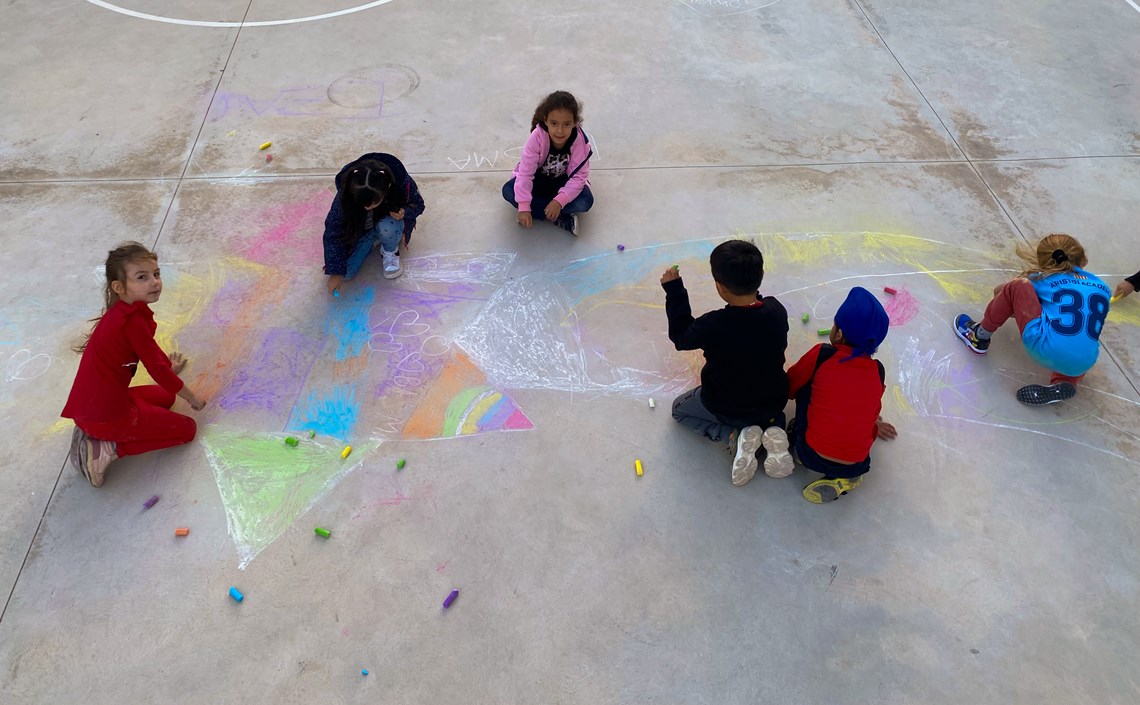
(190, 428)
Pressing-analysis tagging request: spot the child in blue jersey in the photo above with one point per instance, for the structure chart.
(1060, 310)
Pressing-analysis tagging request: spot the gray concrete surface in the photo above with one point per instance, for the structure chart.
(990, 557)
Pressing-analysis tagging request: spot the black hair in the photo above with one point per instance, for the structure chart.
(738, 266)
(558, 100)
(366, 183)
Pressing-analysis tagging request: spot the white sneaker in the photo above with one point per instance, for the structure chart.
(391, 264)
(779, 462)
(744, 464)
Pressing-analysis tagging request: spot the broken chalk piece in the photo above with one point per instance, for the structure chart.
(364, 671)
(336, 293)
(312, 433)
(621, 248)
(401, 463)
(1113, 299)
(676, 267)
(824, 331)
(150, 502)
(450, 599)
(236, 594)
(267, 145)
(344, 453)
(652, 404)
(268, 158)
(805, 318)
(890, 291)
(637, 467)
(182, 532)
(289, 440)
(322, 532)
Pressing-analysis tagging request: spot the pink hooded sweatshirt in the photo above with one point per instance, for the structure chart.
(535, 152)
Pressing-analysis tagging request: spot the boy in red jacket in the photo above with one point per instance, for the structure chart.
(838, 390)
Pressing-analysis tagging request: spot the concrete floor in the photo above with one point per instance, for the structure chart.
(991, 556)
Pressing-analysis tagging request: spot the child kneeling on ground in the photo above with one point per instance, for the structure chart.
(743, 387)
(838, 390)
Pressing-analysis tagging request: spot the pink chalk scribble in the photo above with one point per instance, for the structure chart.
(293, 233)
(901, 308)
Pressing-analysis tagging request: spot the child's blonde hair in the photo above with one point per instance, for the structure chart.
(1054, 253)
(115, 269)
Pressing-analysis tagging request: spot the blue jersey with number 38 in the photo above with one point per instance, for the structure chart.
(1073, 308)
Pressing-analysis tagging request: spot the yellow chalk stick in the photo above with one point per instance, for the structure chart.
(267, 145)
(637, 467)
(344, 453)
(1112, 300)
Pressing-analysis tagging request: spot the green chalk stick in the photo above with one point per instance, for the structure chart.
(805, 318)
(676, 266)
(322, 532)
(289, 440)
(824, 331)
(401, 463)
(312, 433)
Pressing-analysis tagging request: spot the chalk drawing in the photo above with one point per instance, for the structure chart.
(486, 158)
(306, 101)
(460, 404)
(348, 322)
(459, 267)
(901, 307)
(23, 365)
(330, 413)
(266, 485)
(263, 23)
(275, 375)
(374, 87)
(720, 8)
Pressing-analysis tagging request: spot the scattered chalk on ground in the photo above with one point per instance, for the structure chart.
(312, 433)
(652, 404)
(824, 331)
(150, 502)
(364, 671)
(806, 317)
(182, 532)
(322, 532)
(267, 145)
(621, 248)
(236, 594)
(890, 290)
(637, 467)
(401, 463)
(344, 453)
(450, 599)
(289, 440)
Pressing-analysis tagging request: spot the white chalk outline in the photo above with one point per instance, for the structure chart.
(1134, 5)
(263, 23)
(738, 12)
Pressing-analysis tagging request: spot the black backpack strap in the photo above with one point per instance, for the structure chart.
(825, 353)
(882, 372)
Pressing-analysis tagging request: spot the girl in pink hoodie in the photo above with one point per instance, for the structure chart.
(551, 181)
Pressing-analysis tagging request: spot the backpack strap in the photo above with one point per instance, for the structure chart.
(882, 372)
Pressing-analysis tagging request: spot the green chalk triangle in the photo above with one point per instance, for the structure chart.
(266, 485)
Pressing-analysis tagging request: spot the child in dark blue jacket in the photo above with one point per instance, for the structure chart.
(376, 203)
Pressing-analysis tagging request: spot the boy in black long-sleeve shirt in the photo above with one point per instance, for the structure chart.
(743, 384)
(1126, 286)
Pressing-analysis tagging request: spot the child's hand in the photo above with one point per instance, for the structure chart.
(552, 210)
(1124, 288)
(671, 274)
(177, 362)
(525, 219)
(196, 403)
(397, 215)
(886, 430)
(334, 283)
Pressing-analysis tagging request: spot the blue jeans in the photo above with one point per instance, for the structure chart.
(538, 202)
(388, 232)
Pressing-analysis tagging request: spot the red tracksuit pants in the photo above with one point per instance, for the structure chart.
(151, 425)
(1017, 299)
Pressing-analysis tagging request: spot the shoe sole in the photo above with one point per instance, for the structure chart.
(1041, 394)
(393, 275)
(779, 462)
(75, 453)
(964, 339)
(744, 464)
(824, 491)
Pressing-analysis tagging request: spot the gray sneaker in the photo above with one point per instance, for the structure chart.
(744, 464)
(392, 267)
(779, 462)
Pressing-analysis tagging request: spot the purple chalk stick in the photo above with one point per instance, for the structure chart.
(150, 502)
(450, 598)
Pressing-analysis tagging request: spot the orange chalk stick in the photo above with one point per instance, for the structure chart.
(182, 532)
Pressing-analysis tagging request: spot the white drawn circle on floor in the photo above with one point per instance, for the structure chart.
(262, 23)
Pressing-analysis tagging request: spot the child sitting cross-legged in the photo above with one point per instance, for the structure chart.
(838, 390)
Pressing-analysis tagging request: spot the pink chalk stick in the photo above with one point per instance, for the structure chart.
(889, 290)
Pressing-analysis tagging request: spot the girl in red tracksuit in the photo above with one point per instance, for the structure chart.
(112, 418)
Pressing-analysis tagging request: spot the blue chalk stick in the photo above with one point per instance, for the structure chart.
(364, 671)
(336, 293)
(236, 594)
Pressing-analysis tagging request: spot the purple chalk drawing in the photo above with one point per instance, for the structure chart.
(902, 308)
(275, 375)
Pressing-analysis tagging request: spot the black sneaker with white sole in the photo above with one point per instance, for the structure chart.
(1041, 394)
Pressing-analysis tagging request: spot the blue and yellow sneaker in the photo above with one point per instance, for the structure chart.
(967, 331)
(830, 489)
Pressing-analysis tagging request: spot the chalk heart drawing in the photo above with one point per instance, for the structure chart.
(266, 484)
(720, 8)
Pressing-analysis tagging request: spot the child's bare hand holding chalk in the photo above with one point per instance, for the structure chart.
(671, 274)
